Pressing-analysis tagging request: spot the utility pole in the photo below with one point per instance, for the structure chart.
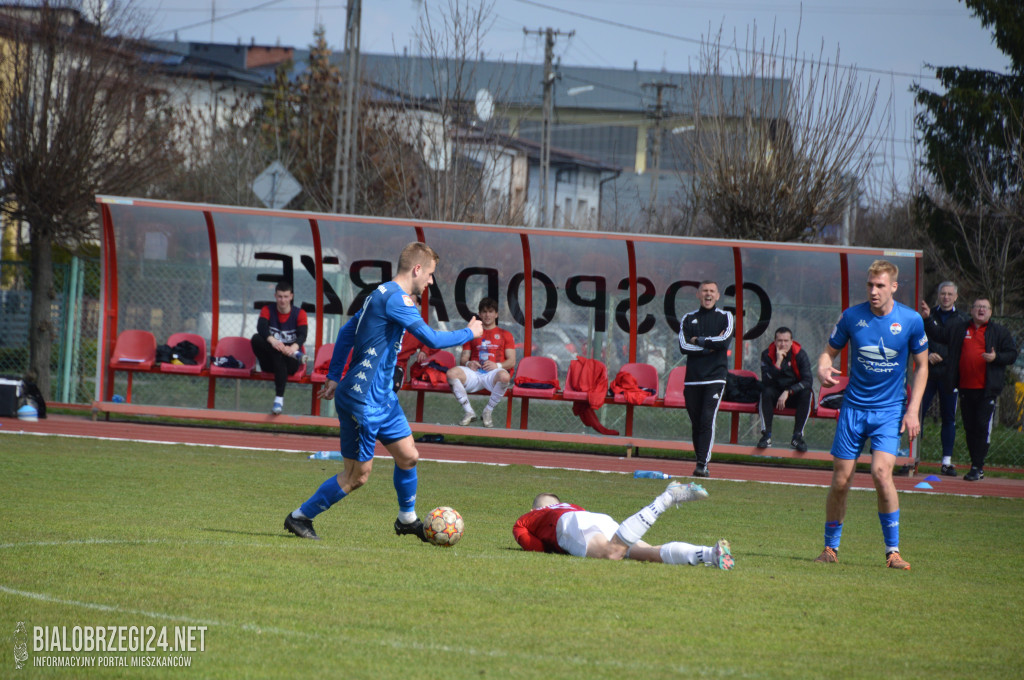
(547, 114)
(348, 112)
(658, 113)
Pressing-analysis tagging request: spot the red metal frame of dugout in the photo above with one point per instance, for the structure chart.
(110, 292)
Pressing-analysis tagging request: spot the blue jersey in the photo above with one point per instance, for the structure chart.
(879, 348)
(374, 335)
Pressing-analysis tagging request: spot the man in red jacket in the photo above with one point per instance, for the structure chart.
(557, 527)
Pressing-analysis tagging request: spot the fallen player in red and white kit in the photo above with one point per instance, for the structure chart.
(557, 527)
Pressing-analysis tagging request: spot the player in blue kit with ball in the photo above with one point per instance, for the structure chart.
(882, 334)
(368, 408)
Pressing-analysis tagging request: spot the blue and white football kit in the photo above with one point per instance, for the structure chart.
(368, 408)
(874, 400)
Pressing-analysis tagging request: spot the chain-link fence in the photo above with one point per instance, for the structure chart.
(75, 314)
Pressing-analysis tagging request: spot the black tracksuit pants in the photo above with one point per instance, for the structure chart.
(977, 412)
(702, 405)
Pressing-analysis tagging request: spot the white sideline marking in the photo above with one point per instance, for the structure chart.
(932, 492)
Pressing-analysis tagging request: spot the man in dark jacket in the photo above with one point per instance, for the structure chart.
(786, 382)
(938, 369)
(704, 336)
(980, 350)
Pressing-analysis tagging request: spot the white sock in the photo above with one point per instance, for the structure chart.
(278, 401)
(459, 389)
(684, 553)
(297, 514)
(496, 394)
(947, 460)
(407, 517)
(634, 528)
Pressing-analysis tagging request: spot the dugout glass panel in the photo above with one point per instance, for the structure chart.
(576, 289)
(668, 276)
(796, 289)
(474, 265)
(163, 270)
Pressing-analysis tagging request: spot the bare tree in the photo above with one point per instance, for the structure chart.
(777, 147)
(979, 239)
(81, 118)
(456, 157)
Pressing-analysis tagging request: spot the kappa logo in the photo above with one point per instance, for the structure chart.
(360, 376)
(365, 363)
(372, 351)
(357, 388)
(895, 524)
(896, 328)
(862, 324)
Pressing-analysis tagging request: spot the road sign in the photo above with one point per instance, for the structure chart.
(275, 186)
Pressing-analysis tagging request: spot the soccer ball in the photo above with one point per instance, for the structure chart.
(443, 526)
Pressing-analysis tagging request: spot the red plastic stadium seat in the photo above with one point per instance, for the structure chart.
(577, 395)
(646, 377)
(539, 370)
(198, 341)
(824, 411)
(740, 406)
(134, 351)
(443, 358)
(674, 397)
(239, 348)
(322, 361)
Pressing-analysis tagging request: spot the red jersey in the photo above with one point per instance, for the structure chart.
(972, 365)
(494, 341)
(536, 529)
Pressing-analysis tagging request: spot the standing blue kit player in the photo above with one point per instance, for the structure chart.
(367, 405)
(882, 334)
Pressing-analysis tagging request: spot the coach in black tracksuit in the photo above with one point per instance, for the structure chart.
(980, 350)
(704, 336)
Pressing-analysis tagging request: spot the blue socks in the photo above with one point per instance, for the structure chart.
(890, 530)
(405, 486)
(833, 532)
(327, 495)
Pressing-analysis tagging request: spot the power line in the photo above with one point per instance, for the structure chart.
(229, 15)
(696, 41)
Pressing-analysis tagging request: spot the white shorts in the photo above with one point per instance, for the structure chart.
(476, 381)
(575, 529)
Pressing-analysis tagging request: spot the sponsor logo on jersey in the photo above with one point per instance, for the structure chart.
(923, 340)
(862, 324)
(895, 328)
(408, 301)
(877, 358)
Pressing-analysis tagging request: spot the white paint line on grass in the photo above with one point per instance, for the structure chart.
(466, 462)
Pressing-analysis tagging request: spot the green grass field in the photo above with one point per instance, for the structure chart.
(111, 533)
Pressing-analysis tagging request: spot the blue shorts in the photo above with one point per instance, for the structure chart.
(363, 424)
(856, 426)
